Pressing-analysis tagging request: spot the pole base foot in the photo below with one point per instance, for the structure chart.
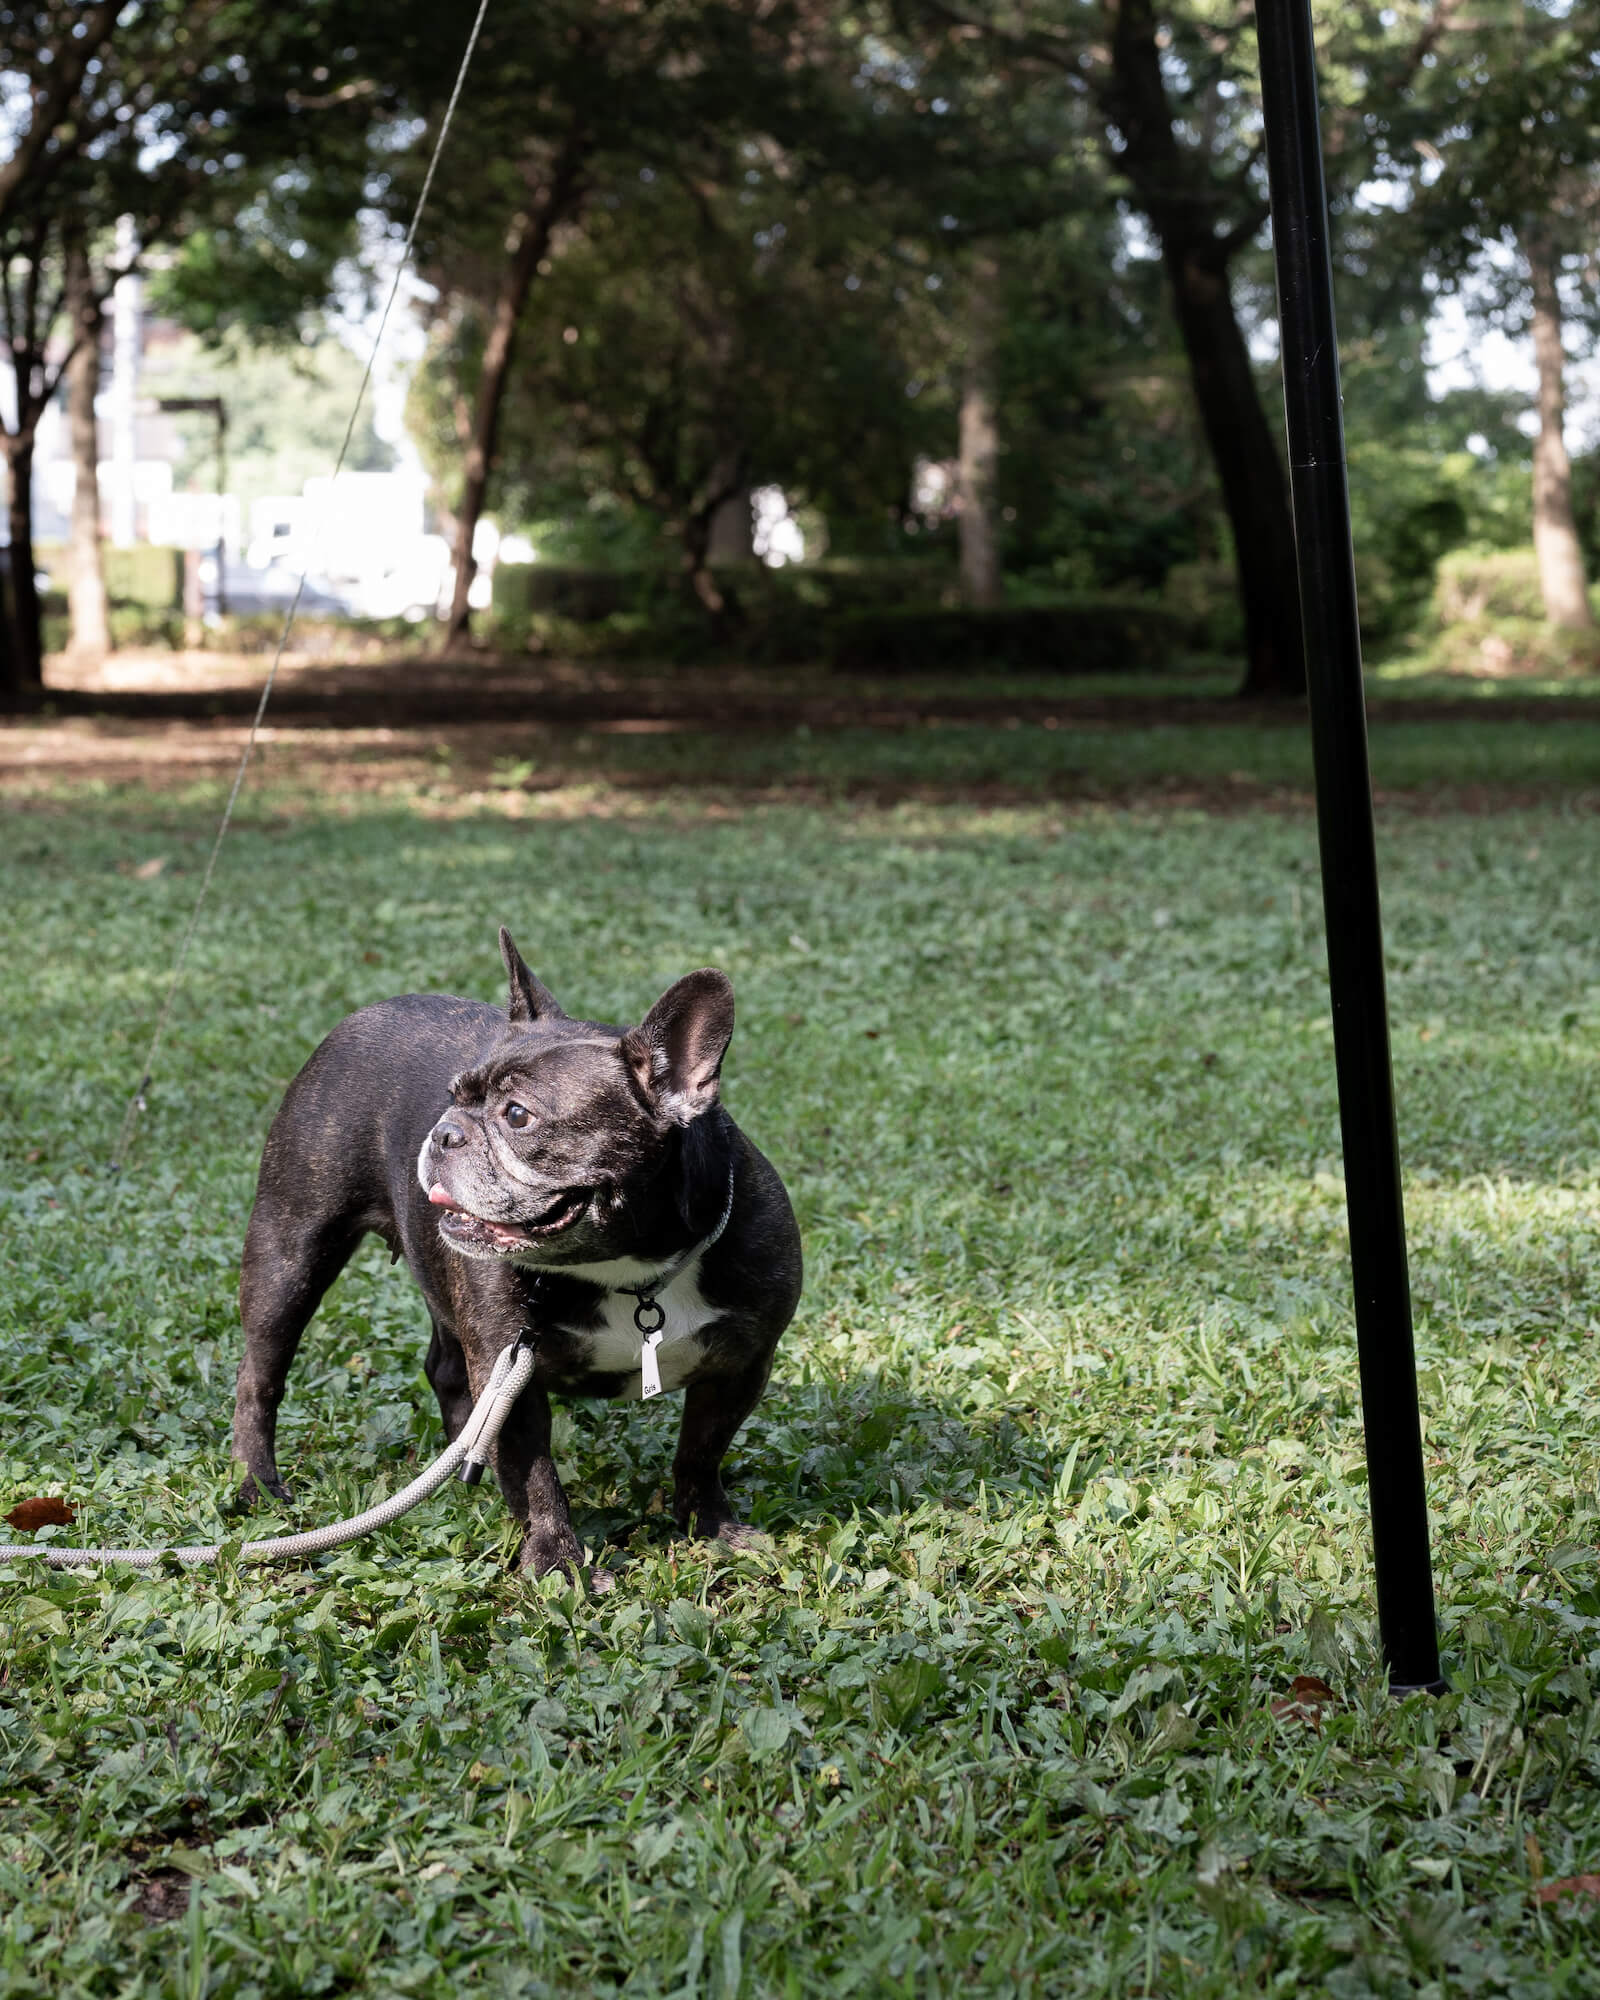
(1400, 1689)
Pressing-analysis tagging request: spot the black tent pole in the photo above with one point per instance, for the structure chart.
(1315, 427)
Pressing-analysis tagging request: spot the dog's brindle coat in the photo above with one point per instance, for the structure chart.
(573, 1158)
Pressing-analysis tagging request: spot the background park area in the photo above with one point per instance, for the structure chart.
(821, 515)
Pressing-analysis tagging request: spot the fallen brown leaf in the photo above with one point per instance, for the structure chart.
(147, 871)
(1305, 1701)
(47, 1512)
(1569, 1885)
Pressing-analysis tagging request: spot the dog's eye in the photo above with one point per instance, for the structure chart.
(516, 1116)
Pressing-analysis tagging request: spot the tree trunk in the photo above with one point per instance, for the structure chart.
(1174, 189)
(11, 690)
(696, 533)
(1562, 581)
(1255, 488)
(979, 439)
(528, 242)
(27, 650)
(732, 537)
(86, 584)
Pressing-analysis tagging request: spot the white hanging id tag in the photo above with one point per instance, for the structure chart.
(649, 1367)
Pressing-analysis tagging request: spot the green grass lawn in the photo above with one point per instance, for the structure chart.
(1061, 1465)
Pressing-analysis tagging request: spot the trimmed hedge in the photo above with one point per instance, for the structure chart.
(590, 596)
(587, 596)
(775, 617)
(1083, 635)
(145, 575)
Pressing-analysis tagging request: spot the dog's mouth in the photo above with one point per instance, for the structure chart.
(467, 1231)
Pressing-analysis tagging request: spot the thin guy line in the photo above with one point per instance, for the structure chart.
(136, 1103)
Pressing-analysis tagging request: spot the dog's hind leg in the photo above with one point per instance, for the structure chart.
(446, 1370)
(288, 1264)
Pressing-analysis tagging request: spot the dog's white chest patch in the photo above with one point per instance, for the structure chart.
(616, 1346)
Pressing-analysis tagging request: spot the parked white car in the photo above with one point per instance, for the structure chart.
(411, 583)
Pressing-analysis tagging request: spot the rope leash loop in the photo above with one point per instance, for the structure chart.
(507, 1379)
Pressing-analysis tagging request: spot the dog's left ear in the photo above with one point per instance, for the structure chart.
(531, 1000)
(676, 1051)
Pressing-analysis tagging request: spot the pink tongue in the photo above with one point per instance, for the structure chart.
(440, 1199)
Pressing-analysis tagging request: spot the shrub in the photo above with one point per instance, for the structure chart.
(1085, 635)
(1487, 583)
(1513, 649)
(144, 625)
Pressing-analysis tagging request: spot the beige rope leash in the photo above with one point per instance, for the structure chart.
(470, 1452)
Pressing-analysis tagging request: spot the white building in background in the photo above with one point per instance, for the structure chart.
(360, 541)
(776, 537)
(363, 537)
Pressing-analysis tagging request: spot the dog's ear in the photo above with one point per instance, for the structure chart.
(530, 999)
(676, 1051)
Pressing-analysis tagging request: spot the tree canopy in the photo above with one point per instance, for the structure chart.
(679, 249)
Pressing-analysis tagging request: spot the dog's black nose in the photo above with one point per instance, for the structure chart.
(450, 1132)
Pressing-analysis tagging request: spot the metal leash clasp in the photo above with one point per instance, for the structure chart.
(650, 1317)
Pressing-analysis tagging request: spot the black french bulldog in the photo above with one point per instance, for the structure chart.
(584, 1185)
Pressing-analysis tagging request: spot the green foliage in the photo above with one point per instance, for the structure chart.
(749, 366)
(1510, 146)
(1103, 479)
(1083, 635)
(1061, 1466)
(288, 408)
(1413, 502)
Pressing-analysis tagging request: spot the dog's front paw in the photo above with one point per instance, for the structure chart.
(547, 1549)
(251, 1495)
(740, 1535)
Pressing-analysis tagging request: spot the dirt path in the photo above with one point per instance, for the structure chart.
(432, 692)
(455, 732)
